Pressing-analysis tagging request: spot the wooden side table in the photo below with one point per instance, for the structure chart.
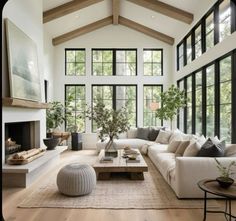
(212, 186)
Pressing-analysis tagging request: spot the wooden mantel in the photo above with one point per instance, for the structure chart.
(15, 102)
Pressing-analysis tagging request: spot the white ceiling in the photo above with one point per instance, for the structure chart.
(149, 18)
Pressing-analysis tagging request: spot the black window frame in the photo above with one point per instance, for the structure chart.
(154, 49)
(114, 61)
(75, 49)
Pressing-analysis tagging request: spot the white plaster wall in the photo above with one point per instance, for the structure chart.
(111, 37)
(27, 15)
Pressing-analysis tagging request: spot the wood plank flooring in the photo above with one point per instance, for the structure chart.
(13, 196)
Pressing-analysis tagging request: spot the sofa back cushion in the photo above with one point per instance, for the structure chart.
(192, 149)
(212, 149)
(132, 133)
(181, 148)
(230, 150)
(142, 133)
(163, 137)
(173, 145)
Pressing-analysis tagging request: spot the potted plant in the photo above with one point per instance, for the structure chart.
(110, 123)
(225, 180)
(171, 100)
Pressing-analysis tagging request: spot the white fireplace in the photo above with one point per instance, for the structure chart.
(36, 119)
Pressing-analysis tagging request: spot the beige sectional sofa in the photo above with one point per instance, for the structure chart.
(181, 172)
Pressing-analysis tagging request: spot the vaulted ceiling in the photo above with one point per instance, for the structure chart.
(163, 20)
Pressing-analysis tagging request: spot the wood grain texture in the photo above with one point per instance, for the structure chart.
(13, 196)
(165, 9)
(67, 8)
(145, 30)
(15, 102)
(83, 30)
(116, 11)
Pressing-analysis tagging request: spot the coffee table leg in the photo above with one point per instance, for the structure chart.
(136, 176)
(205, 205)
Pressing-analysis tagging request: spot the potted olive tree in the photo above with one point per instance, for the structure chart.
(171, 100)
(110, 123)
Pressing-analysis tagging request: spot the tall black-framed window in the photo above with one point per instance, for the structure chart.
(180, 116)
(75, 103)
(198, 102)
(117, 96)
(210, 100)
(217, 94)
(224, 19)
(225, 75)
(75, 62)
(218, 23)
(151, 95)
(152, 62)
(110, 62)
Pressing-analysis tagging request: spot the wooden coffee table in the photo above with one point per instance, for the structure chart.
(120, 165)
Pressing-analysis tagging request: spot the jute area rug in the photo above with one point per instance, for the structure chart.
(119, 193)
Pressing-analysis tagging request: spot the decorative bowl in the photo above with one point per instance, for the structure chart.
(225, 183)
(51, 143)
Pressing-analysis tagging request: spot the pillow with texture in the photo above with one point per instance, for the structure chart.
(153, 133)
(132, 133)
(201, 140)
(163, 137)
(230, 150)
(212, 149)
(142, 133)
(176, 135)
(181, 148)
(192, 149)
(173, 145)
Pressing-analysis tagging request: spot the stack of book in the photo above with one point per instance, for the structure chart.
(107, 159)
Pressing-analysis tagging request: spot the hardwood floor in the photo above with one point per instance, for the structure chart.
(13, 196)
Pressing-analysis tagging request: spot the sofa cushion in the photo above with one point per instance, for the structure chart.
(212, 149)
(153, 133)
(142, 133)
(181, 148)
(192, 149)
(173, 145)
(163, 137)
(176, 135)
(132, 133)
(230, 150)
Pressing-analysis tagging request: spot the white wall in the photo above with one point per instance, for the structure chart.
(111, 37)
(26, 15)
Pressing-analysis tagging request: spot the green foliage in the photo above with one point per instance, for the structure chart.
(225, 171)
(110, 122)
(55, 115)
(172, 100)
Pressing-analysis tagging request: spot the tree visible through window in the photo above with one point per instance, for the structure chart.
(75, 62)
(224, 19)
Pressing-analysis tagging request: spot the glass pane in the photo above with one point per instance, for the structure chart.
(189, 49)
(225, 69)
(97, 56)
(131, 69)
(210, 119)
(148, 69)
(157, 56)
(189, 120)
(157, 69)
(107, 69)
(198, 120)
(225, 95)
(198, 47)
(225, 122)
(198, 80)
(107, 56)
(131, 56)
(210, 75)
(225, 19)
(120, 56)
(147, 56)
(70, 69)
(210, 31)
(70, 56)
(79, 69)
(80, 55)
(210, 95)
(97, 69)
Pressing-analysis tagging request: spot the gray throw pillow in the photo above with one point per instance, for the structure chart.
(153, 133)
(212, 149)
(142, 133)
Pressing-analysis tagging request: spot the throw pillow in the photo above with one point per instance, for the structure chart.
(132, 133)
(230, 150)
(176, 135)
(153, 133)
(211, 149)
(192, 149)
(163, 137)
(201, 140)
(173, 145)
(181, 148)
(142, 133)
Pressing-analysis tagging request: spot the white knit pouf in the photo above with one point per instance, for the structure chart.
(76, 179)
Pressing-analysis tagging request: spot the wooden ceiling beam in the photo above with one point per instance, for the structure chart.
(145, 30)
(165, 9)
(81, 31)
(116, 11)
(67, 8)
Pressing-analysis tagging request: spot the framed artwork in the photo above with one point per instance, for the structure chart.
(24, 74)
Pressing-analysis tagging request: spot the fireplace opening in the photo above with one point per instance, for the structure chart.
(20, 136)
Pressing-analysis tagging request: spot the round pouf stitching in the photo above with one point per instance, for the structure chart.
(76, 179)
